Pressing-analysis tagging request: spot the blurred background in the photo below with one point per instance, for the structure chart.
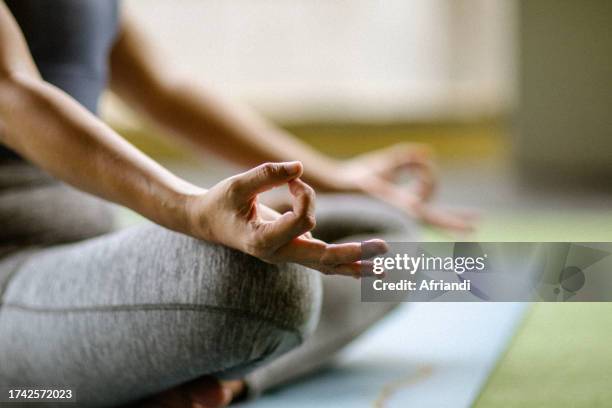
(513, 95)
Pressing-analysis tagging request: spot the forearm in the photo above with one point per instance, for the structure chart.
(143, 79)
(50, 129)
(214, 124)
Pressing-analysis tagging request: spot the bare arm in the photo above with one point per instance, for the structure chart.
(140, 77)
(45, 125)
(195, 114)
(49, 128)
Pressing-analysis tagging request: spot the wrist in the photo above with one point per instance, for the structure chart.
(176, 207)
(195, 214)
(329, 176)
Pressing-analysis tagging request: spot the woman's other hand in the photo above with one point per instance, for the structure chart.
(377, 174)
(229, 214)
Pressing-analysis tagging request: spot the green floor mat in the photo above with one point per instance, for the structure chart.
(561, 357)
(537, 226)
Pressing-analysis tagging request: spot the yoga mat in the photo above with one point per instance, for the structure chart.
(424, 355)
(561, 357)
(536, 226)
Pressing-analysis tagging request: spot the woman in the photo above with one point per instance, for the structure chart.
(204, 300)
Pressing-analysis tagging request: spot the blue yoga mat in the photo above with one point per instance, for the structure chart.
(424, 355)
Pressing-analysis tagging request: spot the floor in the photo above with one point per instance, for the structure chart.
(407, 359)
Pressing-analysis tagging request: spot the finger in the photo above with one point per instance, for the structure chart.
(446, 220)
(408, 154)
(398, 157)
(403, 199)
(303, 198)
(352, 270)
(393, 194)
(337, 254)
(292, 224)
(357, 270)
(425, 180)
(317, 252)
(373, 247)
(416, 158)
(366, 269)
(424, 175)
(264, 177)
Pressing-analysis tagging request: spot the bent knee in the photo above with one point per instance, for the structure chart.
(287, 296)
(227, 305)
(352, 217)
(250, 309)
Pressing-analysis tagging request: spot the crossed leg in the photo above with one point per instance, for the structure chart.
(129, 314)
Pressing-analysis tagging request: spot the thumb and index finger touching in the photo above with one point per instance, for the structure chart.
(291, 224)
(281, 233)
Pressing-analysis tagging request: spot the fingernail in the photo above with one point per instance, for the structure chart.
(293, 167)
(375, 246)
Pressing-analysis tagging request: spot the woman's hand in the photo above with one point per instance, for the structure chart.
(376, 174)
(229, 214)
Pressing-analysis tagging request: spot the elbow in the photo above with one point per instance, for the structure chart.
(14, 85)
(11, 78)
(8, 80)
(19, 91)
(14, 88)
(10, 84)
(9, 96)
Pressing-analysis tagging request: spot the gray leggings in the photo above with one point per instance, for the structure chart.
(119, 316)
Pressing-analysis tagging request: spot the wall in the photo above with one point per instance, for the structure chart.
(565, 111)
(343, 60)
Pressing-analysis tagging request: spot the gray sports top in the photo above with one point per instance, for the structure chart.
(70, 41)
